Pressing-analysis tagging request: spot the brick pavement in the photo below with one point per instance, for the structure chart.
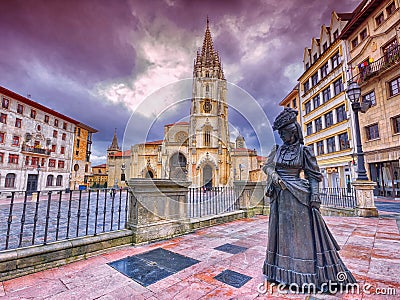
(370, 249)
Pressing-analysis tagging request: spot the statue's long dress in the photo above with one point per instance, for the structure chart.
(301, 248)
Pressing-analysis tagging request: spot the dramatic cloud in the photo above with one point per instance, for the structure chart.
(97, 60)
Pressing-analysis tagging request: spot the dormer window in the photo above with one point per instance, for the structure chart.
(315, 57)
(325, 46)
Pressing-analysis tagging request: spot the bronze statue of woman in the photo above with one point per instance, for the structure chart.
(301, 249)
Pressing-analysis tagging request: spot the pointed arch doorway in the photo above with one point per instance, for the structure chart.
(207, 177)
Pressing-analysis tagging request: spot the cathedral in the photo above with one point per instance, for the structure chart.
(200, 150)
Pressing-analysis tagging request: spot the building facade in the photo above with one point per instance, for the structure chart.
(372, 38)
(293, 100)
(99, 177)
(81, 165)
(325, 111)
(200, 150)
(36, 145)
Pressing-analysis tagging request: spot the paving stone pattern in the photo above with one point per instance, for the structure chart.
(370, 249)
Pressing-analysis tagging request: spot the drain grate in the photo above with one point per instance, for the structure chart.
(233, 278)
(232, 249)
(152, 266)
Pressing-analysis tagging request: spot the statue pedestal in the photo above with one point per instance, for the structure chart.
(365, 198)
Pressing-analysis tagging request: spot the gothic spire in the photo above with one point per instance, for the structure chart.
(207, 63)
(114, 143)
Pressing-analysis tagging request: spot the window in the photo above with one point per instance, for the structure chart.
(52, 163)
(59, 180)
(335, 60)
(306, 86)
(53, 148)
(344, 141)
(79, 132)
(18, 123)
(307, 107)
(370, 97)
(294, 102)
(3, 118)
(46, 119)
(64, 125)
(76, 152)
(10, 180)
(320, 147)
(363, 34)
(5, 103)
(1, 157)
(341, 113)
(338, 86)
(396, 124)
(318, 124)
(20, 109)
(330, 142)
(307, 66)
(309, 128)
(325, 46)
(43, 161)
(35, 161)
(335, 34)
(56, 122)
(394, 86)
(78, 143)
(15, 140)
(2, 137)
(379, 19)
(13, 158)
(62, 150)
(207, 137)
(64, 136)
(390, 9)
(315, 57)
(328, 119)
(27, 161)
(33, 114)
(326, 94)
(55, 133)
(391, 51)
(354, 43)
(61, 164)
(372, 132)
(49, 181)
(324, 70)
(316, 101)
(314, 79)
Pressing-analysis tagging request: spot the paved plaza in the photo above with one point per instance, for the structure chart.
(370, 249)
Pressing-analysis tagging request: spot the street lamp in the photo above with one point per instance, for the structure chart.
(240, 171)
(353, 93)
(38, 171)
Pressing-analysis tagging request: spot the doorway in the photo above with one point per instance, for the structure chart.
(32, 183)
(207, 177)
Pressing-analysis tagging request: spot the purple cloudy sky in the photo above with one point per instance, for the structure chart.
(96, 60)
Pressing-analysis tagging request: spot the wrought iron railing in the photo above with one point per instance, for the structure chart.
(45, 217)
(35, 150)
(212, 201)
(338, 197)
(372, 69)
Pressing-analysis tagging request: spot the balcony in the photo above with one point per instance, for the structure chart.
(368, 71)
(30, 149)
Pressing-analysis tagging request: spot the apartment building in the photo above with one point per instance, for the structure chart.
(36, 145)
(293, 100)
(98, 178)
(81, 165)
(372, 41)
(325, 115)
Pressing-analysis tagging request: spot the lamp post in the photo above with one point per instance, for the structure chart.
(364, 188)
(353, 93)
(38, 175)
(123, 167)
(240, 171)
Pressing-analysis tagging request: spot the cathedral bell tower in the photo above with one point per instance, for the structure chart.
(209, 142)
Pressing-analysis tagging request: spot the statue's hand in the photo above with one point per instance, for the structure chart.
(275, 178)
(315, 202)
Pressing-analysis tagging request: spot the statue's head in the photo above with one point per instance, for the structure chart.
(288, 127)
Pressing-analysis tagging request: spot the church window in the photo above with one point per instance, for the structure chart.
(207, 137)
(207, 88)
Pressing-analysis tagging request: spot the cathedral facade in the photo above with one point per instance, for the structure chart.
(200, 150)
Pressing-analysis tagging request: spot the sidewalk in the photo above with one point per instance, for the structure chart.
(370, 249)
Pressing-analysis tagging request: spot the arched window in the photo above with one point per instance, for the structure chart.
(207, 137)
(49, 181)
(10, 180)
(59, 180)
